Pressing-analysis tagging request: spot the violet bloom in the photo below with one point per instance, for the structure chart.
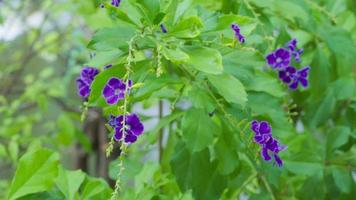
(292, 46)
(133, 127)
(301, 76)
(269, 145)
(287, 75)
(238, 34)
(263, 131)
(163, 28)
(85, 80)
(279, 59)
(114, 90)
(115, 3)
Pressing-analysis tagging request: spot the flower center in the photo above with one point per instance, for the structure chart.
(117, 92)
(279, 60)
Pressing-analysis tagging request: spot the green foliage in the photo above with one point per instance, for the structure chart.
(212, 84)
(35, 173)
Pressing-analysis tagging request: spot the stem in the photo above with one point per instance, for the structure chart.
(123, 146)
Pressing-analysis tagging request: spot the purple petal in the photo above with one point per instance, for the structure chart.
(280, 53)
(258, 139)
(112, 100)
(116, 83)
(291, 70)
(282, 74)
(271, 59)
(287, 80)
(119, 120)
(235, 27)
(294, 85)
(304, 82)
(84, 92)
(264, 153)
(278, 160)
(118, 134)
(254, 126)
(115, 3)
(135, 124)
(304, 72)
(108, 91)
(265, 128)
(130, 138)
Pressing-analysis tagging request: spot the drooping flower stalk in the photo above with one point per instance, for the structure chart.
(124, 123)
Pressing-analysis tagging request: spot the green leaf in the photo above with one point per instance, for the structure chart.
(150, 8)
(67, 131)
(175, 55)
(337, 137)
(195, 171)
(69, 182)
(342, 177)
(181, 9)
(3, 152)
(36, 172)
(290, 10)
(205, 59)
(226, 151)
(103, 58)
(230, 88)
(187, 28)
(304, 168)
(200, 98)
(344, 88)
(95, 188)
(112, 38)
(198, 129)
(324, 109)
(266, 83)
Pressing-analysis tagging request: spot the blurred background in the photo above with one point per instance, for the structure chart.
(43, 48)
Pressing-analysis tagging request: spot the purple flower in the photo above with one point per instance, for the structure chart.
(238, 34)
(279, 59)
(301, 76)
(163, 28)
(292, 46)
(114, 90)
(115, 3)
(133, 127)
(263, 131)
(85, 79)
(287, 75)
(263, 137)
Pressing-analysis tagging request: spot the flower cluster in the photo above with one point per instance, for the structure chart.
(128, 130)
(85, 80)
(238, 34)
(113, 91)
(270, 146)
(280, 60)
